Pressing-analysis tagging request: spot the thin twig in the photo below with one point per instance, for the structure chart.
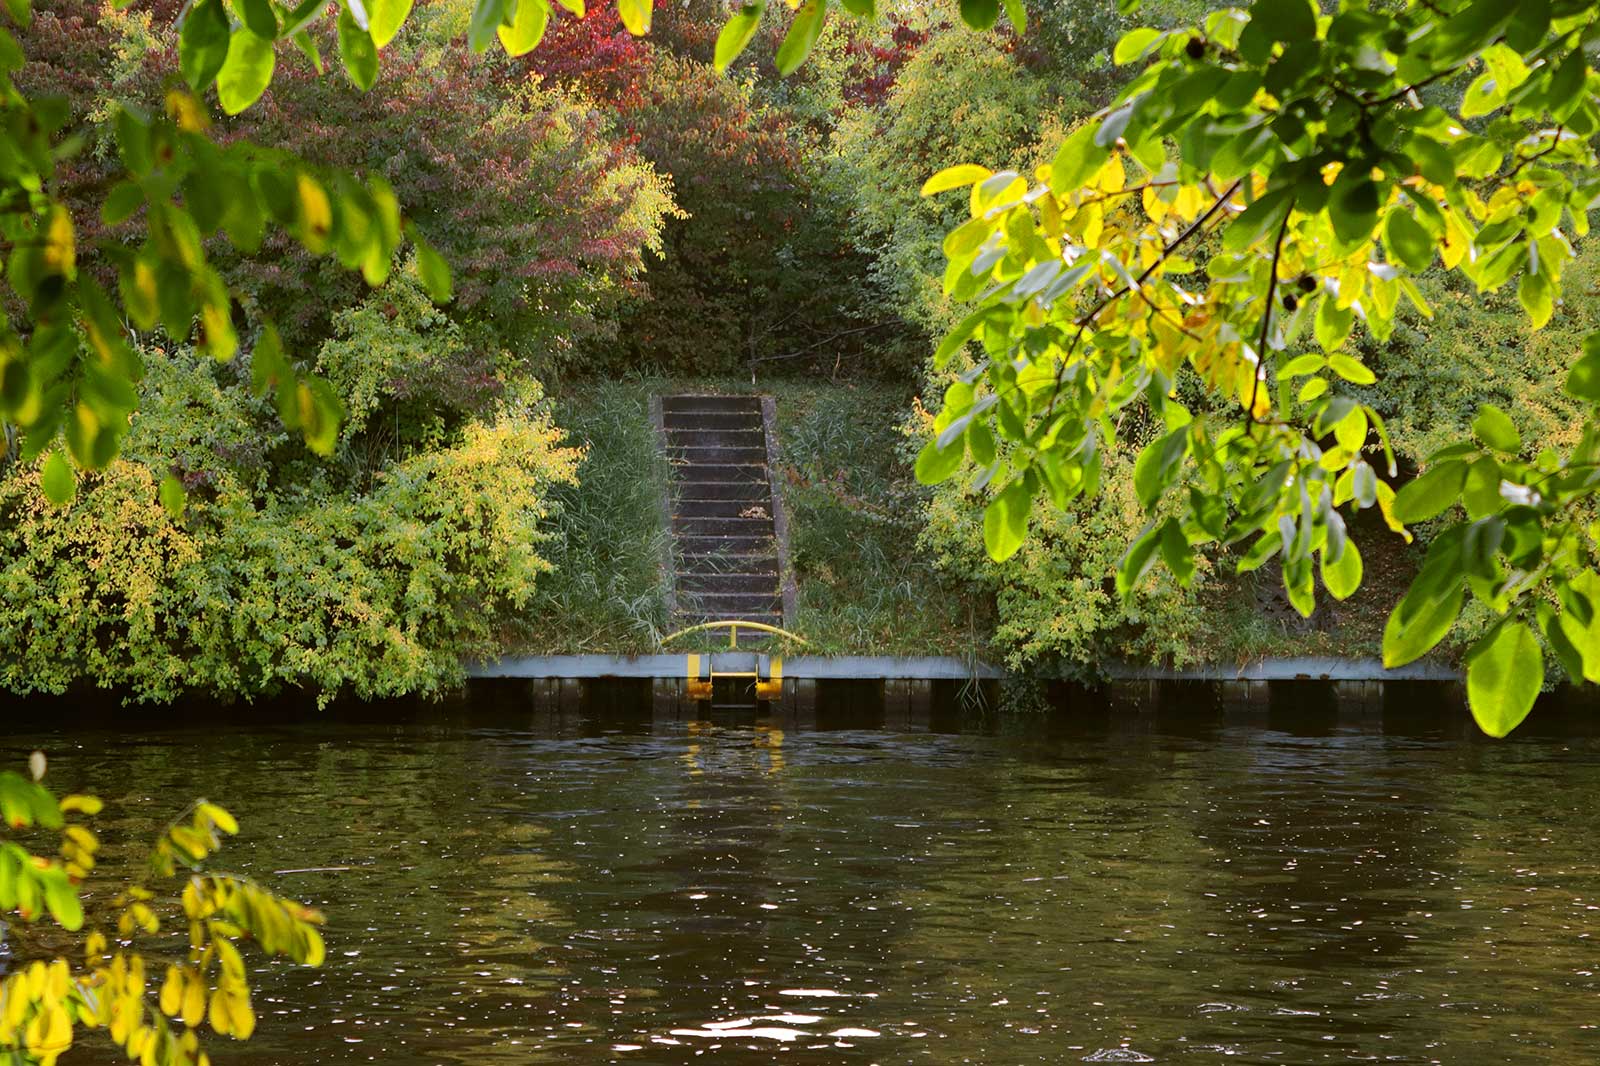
(1266, 315)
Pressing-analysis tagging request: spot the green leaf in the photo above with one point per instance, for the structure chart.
(1135, 44)
(308, 48)
(172, 496)
(1494, 428)
(936, 464)
(1284, 20)
(737, 33)
(1177, 552)
(636, 15)
(57, 480)
(1342, 576)
(1428, 495)
(527, 27)
(1259, 219)
(1078, 159)
(1351, 370)
(1415, 626)
(358, 53)
(1138, 559)
(1537, 294)
(1583, 380)
(1504, 676)
(980, 14)
(1409, 244)
(1158, 466)
(259, 17)
(1005, 520)
(385, 17)
(1017, 15)
(435, 272)
(124, 199)
(1353, 203)
(203, 43)
(802, 36)
(62, 900)
(1564, 91)
(1301, 365)
(956, 177)
(304, 14)
(487, 17)
(247, 72)
(1581, 631)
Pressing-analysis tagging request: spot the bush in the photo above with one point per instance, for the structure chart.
(1056, 605)
(258, 588)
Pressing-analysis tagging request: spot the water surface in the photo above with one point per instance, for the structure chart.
(732, 893)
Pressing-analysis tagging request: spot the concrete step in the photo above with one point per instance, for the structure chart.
(757, 509)
(740, 491)
(732, 420)
(717, 456)
(733, 605)
(724, 548)
(717, 438)
(747, 584)
(677, 404)
(692, 475)
(722, 527)
(712, 564)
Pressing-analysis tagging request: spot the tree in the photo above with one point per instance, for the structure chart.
(1268, 173)
(49, 994)
(1271, 180)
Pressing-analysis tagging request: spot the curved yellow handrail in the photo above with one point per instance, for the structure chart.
(733, 625)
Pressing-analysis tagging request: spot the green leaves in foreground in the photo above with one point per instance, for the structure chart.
(1504, 675)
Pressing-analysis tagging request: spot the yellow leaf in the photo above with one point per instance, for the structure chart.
(1093, 222)
(315, 951)
(316, 214)
(194, 998)
(172, 992)
(60, 249)
(1189, 202)
(187, 112)
(221, 1015)
(1154, 205)
(219, 817)
(1112, 177)
(956, 177)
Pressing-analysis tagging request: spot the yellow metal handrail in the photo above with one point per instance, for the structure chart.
(733, 625)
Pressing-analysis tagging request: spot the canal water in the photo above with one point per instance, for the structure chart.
(607, 891)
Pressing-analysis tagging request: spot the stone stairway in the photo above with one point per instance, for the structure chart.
(726, 528)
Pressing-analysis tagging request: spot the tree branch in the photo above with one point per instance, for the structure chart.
(1266, 316)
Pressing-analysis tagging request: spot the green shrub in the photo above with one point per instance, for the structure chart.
(260, 587)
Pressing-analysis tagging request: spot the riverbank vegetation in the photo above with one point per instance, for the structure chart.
(437, 293)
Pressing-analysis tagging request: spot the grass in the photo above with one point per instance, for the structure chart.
(605, 594)
(855, 512)
(854, 516)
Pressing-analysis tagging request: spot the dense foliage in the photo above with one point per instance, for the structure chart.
(1271, 178)
(375, 575)
(1188, 306)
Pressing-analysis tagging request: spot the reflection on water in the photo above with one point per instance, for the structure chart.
(742, 894)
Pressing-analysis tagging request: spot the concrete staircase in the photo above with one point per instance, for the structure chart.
(727, 529)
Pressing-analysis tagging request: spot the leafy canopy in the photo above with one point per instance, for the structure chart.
(1199, 256)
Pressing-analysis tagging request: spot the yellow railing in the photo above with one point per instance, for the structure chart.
(698, 671)
(733, 626)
